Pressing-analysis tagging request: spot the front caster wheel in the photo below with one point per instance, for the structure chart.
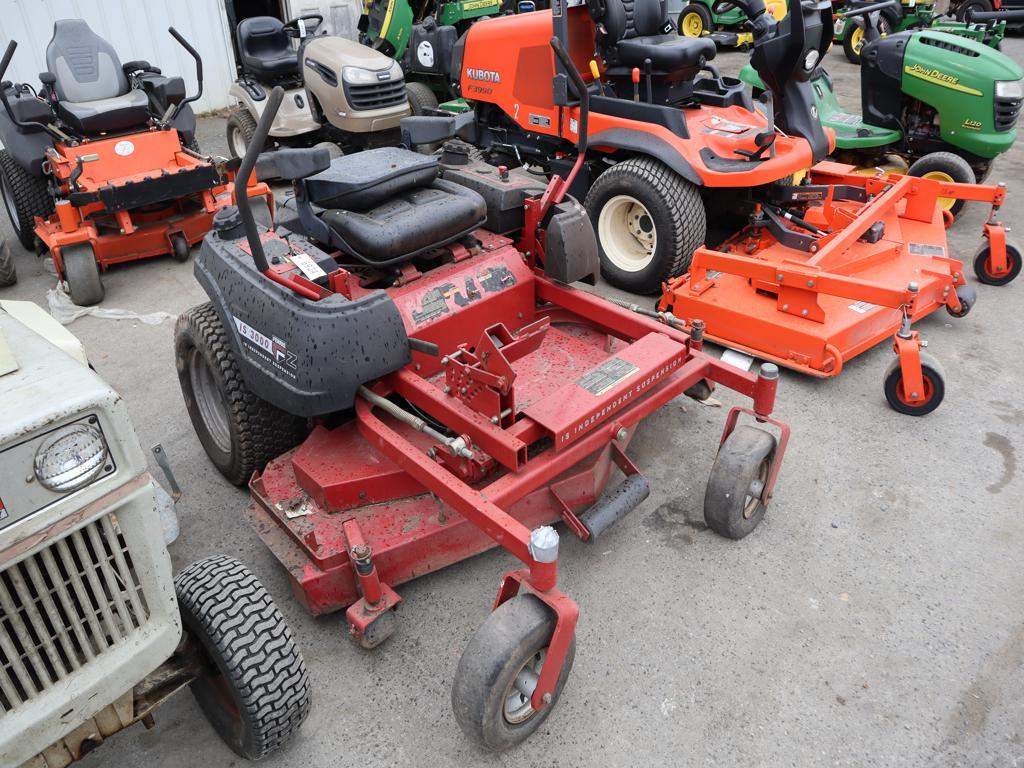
(968, 297)
(82, 274)
(732, 501)
(240, 431)
(987, 274)
(253, 685)
(180, 249)
(934, 387)
(498, 672)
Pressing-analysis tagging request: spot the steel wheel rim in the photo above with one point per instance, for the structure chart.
(692, 25)
(516, 707)
(929, 392)
(752, 499)
(627, 233)
(238, 143)
(8, 195)
(945, 203)
(209, 401)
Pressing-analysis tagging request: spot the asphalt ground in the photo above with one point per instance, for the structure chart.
(874, 618)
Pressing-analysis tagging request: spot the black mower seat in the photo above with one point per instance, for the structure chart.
(265, 49)
(93, 92)
(666, 52)
(387, 205)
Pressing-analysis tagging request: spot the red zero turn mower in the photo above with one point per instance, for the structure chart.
(474, 400)
(829, 268)
(101, 163)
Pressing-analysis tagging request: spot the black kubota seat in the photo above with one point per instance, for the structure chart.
(93, 92)
(265, 49)
(388, 205)
(633, 33)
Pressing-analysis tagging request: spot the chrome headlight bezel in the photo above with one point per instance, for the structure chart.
(71, 457)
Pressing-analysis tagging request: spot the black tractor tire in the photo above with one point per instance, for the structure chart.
(852, 53)
(25, 196)
(964, 9)
(670, 207)
(254, 688)
(934, 382)
(983, 269)
(240, 431)
(732, 506)
(8, 272)
(514, 634)
(707, 24)
(82, 274)
(180, 249)
(194, 145)
(422, 100)
(240, 128)
(944, 164)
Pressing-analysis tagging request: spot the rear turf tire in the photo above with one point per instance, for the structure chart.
(25, 196)
(240, 431)
(240, 129)
(964, 8)
(82, 274)
(694, 21)
(253, 688)
(653, 221)
(947, 167)
(8, 272)
(422, 100)
(854, 42)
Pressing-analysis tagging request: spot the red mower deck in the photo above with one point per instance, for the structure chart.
(861, 272)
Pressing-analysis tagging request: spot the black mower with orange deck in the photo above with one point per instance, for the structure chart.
(398, 403)
(101, 164)
(829, 268)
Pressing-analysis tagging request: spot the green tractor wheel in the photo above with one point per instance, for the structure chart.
(695, 20)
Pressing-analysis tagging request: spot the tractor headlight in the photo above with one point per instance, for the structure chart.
(1009, 89)
(360, 76)
(811, 59)
(71, 458)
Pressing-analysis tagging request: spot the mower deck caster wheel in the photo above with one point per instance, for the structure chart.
(377, 631)
(498, 671)
(253, 685)
(934, 387)
(180, 249)
(983, 267)
(82, 274)
(732, 501)
(8, 271)
(968, 298)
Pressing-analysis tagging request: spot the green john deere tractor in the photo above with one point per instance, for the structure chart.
(422, 40)
(849, 29)
(722, 21)
(944, 105)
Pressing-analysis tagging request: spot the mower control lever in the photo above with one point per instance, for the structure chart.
(173, 112)
(252, 153)
(4, 63)
(866, 9)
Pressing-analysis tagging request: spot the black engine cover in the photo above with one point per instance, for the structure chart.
(881, 74)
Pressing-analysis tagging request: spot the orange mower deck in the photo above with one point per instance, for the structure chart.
(856, 272)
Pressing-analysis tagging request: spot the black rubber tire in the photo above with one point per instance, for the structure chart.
(422, 100)
(1013, 258)
(852, 55)
(935, 378)
(194, 145)
(82, 274)
(180, 249)
(29, 196)
(257, 430)
(251, 657)
(701, 10)
(744, 457)
(240, 121)
(945, 162)
(8, 271)
(968, 298)
(679, 219)
(972, 5)
(514, 633)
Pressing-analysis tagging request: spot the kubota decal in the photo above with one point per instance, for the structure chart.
(484, 75)
(937, 77)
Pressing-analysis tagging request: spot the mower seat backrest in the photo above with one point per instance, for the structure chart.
(633, 32)
(266, 51)
(388, 205)
(93, 92)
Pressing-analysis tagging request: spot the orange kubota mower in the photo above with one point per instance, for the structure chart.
(101, 165)
(673, 146)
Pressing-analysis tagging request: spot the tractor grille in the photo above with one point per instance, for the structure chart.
(375, 95)
(948, 45)
(1007, 111)
(63, 607)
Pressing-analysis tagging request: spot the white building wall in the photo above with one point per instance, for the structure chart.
(137, 29)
